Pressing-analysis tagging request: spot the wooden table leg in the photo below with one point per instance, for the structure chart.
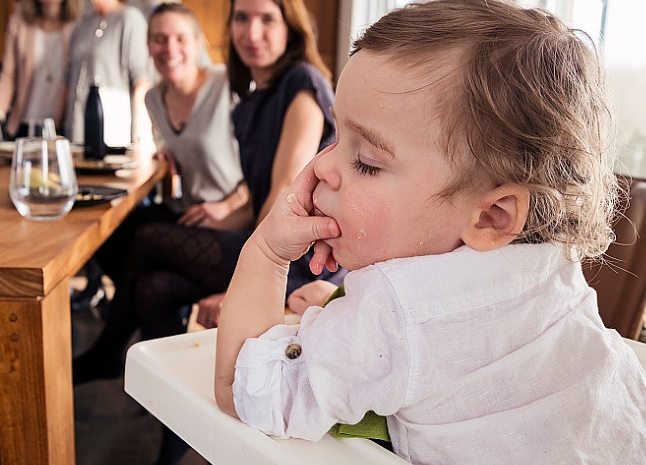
(36, 395)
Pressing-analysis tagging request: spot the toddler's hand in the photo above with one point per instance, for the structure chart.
(322, 258)
(291, 228)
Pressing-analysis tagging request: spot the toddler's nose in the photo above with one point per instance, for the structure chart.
(326, 168)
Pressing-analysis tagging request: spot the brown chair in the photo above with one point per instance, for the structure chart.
(621, 281)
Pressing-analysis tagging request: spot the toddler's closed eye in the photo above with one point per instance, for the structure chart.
(364, 168)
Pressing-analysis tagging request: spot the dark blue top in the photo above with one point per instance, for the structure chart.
(258, 123)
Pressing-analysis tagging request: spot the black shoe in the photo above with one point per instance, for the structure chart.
(100, 306)
(88, 299)
(94, 293)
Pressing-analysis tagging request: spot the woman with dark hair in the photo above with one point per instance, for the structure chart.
(284, 116)
(282, 120)
(32, 81)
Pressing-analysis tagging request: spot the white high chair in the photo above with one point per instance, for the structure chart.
(173, 379)
(640, 350)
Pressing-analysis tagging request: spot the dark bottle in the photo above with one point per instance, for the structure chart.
(94, 144)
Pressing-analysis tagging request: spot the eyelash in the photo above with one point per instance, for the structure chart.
(364, 169)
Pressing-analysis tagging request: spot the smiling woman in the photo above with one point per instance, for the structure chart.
(259, 36)
(190, 109)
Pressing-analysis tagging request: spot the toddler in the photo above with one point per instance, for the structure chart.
(470, 177)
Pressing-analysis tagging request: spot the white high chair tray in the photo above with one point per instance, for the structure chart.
(640, 350)
(173, 379)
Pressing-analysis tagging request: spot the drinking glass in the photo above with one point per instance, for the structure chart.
(35, 128)
(43, 183)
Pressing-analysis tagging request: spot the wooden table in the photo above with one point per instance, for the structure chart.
(37, 260)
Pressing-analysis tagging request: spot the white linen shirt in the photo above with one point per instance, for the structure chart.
(475, 358)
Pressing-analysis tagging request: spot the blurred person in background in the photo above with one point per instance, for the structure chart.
(190, 111)
(108, 45)
(34, 64)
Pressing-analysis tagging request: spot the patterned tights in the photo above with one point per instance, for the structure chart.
(167, 267)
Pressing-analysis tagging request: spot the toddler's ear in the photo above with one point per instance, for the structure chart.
(498, 218)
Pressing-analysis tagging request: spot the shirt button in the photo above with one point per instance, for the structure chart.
(293, 351)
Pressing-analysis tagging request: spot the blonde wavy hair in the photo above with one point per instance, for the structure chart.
(530, 100)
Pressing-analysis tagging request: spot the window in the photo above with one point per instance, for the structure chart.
(625, 61)
(355, 16)
(619, 28)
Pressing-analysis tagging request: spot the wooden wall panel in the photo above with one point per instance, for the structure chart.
(325, 14)
(6, 8)
(212, 15)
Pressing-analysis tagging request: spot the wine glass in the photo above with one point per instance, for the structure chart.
(43, 183)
